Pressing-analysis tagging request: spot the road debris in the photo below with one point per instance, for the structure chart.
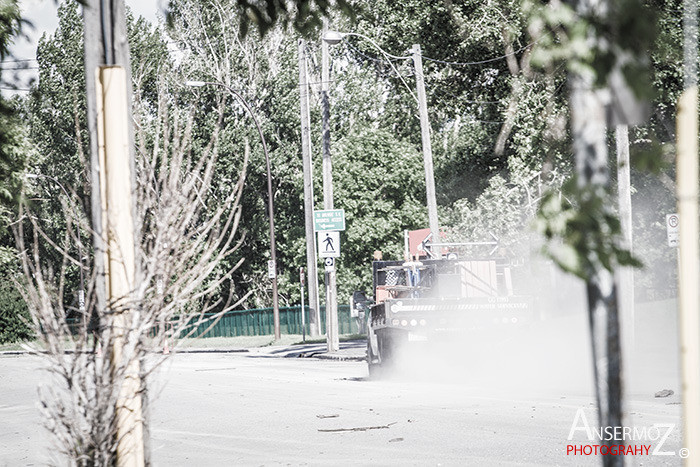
(664, 393)
(362, 428)
(335, 415)
(395, 440)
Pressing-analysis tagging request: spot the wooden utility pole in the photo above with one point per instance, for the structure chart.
(332, 331)
(118, 226)
(689, 231)
(689, 273)
(626, 274)
(315, 314)
(427, 149)
(109, 113)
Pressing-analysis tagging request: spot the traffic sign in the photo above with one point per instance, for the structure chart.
(271, 270)
(330, 219)
(672, 229)
(329, 262)
(329, 244)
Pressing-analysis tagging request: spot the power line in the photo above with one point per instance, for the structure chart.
(20, 68)
(480, 62)
(18, 60)
(378, 60)
(3, 88)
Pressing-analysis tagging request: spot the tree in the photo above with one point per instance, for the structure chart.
(616, 38)
(14, 153)
(188, 234)
(188, 237)
(378, 181)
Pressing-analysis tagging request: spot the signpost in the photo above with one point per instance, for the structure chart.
(672, 229)
(303, 320)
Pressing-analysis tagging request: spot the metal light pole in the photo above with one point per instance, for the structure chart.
(334, 37)
(270, 202)
(81, 295)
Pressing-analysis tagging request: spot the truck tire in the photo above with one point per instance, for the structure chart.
(382, 362)
(374, 364)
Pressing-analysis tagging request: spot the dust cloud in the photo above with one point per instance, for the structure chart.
(549, 354)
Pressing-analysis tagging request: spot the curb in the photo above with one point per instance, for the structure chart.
(157, 352)
(308, 354)
(326, 356)
(342, 358)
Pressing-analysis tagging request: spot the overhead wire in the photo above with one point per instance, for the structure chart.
(18, 60)
(20, 68)
(4, 88)
(480, 62)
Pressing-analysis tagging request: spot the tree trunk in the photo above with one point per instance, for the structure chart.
(588, 128)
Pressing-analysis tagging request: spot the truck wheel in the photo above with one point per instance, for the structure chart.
(374, 365)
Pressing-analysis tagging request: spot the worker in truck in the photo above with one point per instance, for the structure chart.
(413, 275)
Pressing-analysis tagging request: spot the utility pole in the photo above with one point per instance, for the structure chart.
(109, 120)
(427, 149)
(118, 235)
(626, 274)
(689, 256)
(315, 314)
(332, 330)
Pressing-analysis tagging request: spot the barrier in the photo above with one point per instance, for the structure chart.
(260, 322)
(256, 322)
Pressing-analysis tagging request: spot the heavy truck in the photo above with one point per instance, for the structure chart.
(434, 301)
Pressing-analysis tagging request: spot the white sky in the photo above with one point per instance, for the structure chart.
(42, 15)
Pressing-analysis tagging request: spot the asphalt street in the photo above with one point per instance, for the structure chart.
(269, 408)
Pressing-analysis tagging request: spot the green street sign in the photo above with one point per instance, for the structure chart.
(331, 219)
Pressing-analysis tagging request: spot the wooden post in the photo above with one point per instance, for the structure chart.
(118, 231)
(427, 149)
(688, 254)
(689, 269)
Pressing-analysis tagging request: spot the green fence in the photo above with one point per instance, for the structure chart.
(255, 322)
(259, 322)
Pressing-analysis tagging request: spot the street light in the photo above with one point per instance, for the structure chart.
(270, 203)
(81, 293)
(334, 37)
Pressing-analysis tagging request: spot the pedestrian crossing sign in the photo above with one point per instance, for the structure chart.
(329, 244)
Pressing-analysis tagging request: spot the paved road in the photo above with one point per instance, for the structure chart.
(258, 409)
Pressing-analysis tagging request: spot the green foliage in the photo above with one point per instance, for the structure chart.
(586, 228)
(379, 182)
(502, 210)
(466, 97)
(14, 152)
(14, 315)
(12, 163)
(303, 15)
(593, 42)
